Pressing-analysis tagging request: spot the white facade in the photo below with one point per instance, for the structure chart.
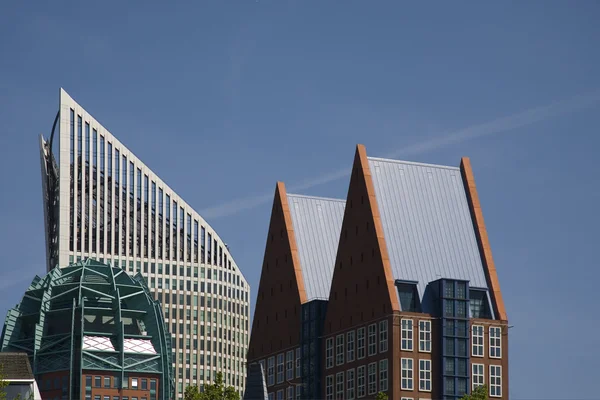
(117, 210)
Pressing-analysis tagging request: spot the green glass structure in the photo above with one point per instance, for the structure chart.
(91, 319)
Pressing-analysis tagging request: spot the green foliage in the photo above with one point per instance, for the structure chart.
(381, 396)
(479, 393)
(215, 391)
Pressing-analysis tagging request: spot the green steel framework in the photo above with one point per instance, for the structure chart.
(58, 310)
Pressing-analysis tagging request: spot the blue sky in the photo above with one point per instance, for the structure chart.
(224, 98)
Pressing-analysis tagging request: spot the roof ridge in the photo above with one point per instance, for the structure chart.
(419, 164)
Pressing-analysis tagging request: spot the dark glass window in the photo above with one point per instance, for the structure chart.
(479, 304)
(97, 381)
(144, 384)
(106, 381)
(88, 382)
(409, 299)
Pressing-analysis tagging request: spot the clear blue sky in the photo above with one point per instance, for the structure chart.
(224, 98)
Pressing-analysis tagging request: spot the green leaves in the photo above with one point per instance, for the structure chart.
(479, 393)
(215, 391)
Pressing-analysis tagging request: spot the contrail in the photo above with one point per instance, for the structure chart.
(500, 125)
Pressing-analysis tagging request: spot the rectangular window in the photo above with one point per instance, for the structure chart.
(350, 384)
(372, 378)
(425, 336)
(290, 393)
(372, 339)
(360, 377)
(495, 342)
(280, 395)
(495, 381)
(280, 366)
(478, 377)
(107, 381)
(407, 374)
(134, 383)
(298, 363)
(271, 371)
(361, 343)
(289, 365)
(383, 375)
(383, 336)
(477, 341)
(350, 346)
(97, 381)
(425, 375)
(339, 385)
(339, 349)
(407, 334)
(329, 353)
(329, 387)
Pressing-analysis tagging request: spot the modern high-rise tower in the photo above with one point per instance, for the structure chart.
(102, 202)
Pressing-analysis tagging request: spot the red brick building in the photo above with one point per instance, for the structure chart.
(392, 290)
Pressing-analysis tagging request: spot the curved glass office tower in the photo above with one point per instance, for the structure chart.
(102, 202)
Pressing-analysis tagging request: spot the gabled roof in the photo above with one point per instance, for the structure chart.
(426, 222)
(317, 223)
(15, 366)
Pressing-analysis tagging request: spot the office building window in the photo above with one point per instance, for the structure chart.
(339, 349)
(495, 381)
(350, 384)
(477, 341)
(478, 376)
(290, 393)
(425, 336)
(383, 375)
(329, 353)
(280, 366)
(425, 375)
(372, 339)
(383, 336)
(350, 346)
(361, 343)
(407, 334)
(290, 365)
(495, 342)
(339, 385)
(372, 378)
(329, 387)
(360, 378)
(407, 374)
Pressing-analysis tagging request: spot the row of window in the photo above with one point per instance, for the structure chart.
(354, 341)
(115, 382)
(288, 367)
(495, 341)
(286, 394)
(351, 384)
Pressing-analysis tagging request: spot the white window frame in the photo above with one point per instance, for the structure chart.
(329, 387)
(383, 336)
(495, 333)
(290, 393)
(372, 378)
(407, 374)
(280, 394)
(407, 334)
(360, 342)
(339, 349)
(350, 343)
(495, 380)
(424, 375)
(298, 363)
(383, 375)
(361, 382)
(280, 367)
(329, 353)
(425, 336)
(477, 348)
(350, 384)
(372, 344)
(271, 371)
(339, 385)
(477, 375)
(289, 361)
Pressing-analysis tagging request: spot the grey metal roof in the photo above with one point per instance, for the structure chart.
(317, 223)
(426, 222)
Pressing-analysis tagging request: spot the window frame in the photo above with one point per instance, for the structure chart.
(383, 379)
(340, 387)
(350, 345)
(475, 372)
(407, 334)
(340, 350)
(383, 336)
(477, 339)
(350, 384)
(361, 389)
(360, 338)
(425, 375)
(289, 365)
(372, 378)
(329, 387)
(495, 378)
(372, 340)
(271, 371)
(407, 374)
(495, 349)
(329, 353)
(280, 371)
(425, 336)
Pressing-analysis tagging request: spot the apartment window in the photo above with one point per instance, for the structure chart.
(407, 374)
(350, 384)
(97, 381)
(477, 341)
(134, 383)
(350, 346)
(383, 336)
(271, 396)
(478, 377)
(495, 343)
(361, 343)
(329, 353)
(280, 362)
(271, 371)
(425, 375)
(280, 395)
(495, 381)
(360, 378)
(290, 393)
(372, 378)
(339, 349)
(106, 381)
(290, 365)
(329, 387)
(407, 334)
(298, 363)
(339, 385)
(383, 375)
(425, 336)
(372, 339)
